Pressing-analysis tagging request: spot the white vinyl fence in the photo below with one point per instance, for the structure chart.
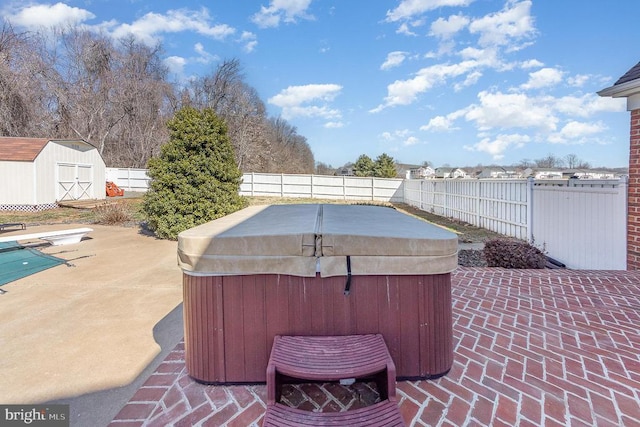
(581, 223)
(497, 205)
(129, 179)
(322, 187)
(584, 227)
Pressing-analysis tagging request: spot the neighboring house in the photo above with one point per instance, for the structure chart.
(459, 173)
(548, 173)
(526, 173)
(596, 174)
(422, 172)
(443, 172)
(492, 172)
(345, 171)
(510, 173)
(38, 172)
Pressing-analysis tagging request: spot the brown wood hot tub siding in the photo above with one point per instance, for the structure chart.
(230, 321)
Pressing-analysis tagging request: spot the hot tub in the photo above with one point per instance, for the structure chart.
(315, 270)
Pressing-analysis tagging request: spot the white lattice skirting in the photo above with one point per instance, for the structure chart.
(29, 208)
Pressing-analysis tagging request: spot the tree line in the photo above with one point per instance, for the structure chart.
(117, 95)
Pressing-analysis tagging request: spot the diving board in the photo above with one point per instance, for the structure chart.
(56, 238)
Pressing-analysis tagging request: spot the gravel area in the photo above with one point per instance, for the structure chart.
(471, 258)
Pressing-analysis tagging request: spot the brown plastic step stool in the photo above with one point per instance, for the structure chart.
(332, 358)
(381, 414)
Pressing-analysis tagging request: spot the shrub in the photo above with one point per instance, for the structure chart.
(195, 179)
(115, 213)
(513, 254)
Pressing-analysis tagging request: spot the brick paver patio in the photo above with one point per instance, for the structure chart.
(532, 347)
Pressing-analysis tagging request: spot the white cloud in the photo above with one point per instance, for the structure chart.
(407, 9)
(294, 101)
(405, 92)
(496, 147)
(513, 110)
(249, 40)
(518, 111)
(43, 15)
(281, 10)
(485, 57)
(394, 59)
(531, 63)
(575, 132)
(386, 136)
(543, 78)
(148, 28)
(404, 29)
(443, 123)
(401, 137)
(512, 24)
(175, 64)
(333, 125)
(203, 57)
(412, 140)
(471, 79)
(587, 105)
(447, 28)
(438, 124)
(579, 80)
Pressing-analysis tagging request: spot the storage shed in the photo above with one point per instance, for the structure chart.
(37, 172)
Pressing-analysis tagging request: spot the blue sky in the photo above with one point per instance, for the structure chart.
(457, 82)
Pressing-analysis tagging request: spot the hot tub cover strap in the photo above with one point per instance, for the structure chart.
(347, 286)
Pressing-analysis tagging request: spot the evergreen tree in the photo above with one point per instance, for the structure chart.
(363, 166)
(385, 167)
(195, 179)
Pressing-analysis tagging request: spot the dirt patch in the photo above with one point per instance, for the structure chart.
(467, 233)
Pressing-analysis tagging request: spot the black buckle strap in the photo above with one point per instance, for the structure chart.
(347, 286)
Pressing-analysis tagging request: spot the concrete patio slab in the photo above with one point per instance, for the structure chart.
(87, 326)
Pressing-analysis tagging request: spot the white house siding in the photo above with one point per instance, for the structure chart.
(16, 183)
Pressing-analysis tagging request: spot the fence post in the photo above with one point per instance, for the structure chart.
(344, 187)
(530, 209)
(478, 190)
(312, 186)
(281, 185)
(373, 188)
(445, 197)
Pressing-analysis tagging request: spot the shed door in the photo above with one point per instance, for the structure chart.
(75, 181)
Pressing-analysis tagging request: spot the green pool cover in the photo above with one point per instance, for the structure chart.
(17, 262)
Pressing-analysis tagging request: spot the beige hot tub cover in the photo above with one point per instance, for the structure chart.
(306, 239)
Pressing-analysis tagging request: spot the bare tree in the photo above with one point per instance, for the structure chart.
(144, 99)
(23, 97)
(324, 169)
(239, 105)
(290, 152)
(574, 162)
(115, 95)
(549, 161)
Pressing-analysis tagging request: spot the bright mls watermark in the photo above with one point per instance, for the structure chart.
(34, 415)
